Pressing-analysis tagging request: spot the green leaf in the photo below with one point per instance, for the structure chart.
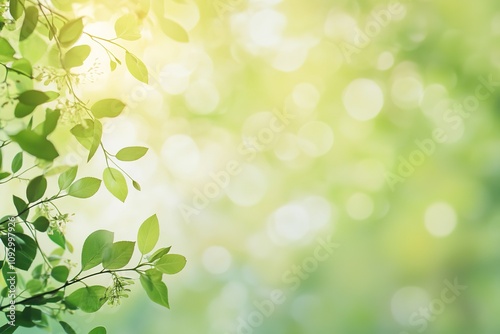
(36, 97)
(127, 27)
(35, 145)
(4, 175)
(136, 67)
(7, 52)
(119, 255)
(155, 288)
(88, 299)
(71, 32)
(84, 133)
(51, 119)
(76, 56)
(98, 330)
(33, 286)
(136, 185)
(131, 153)
(25, 249)
(84, 188)
(24, 66)
(23, 110)
(60, 273)
(96, 139)
(21, 207)
(16, 8)
(148, 235)
(107, 108)
(36, 188)
(58, 238)
(94, 247)
(29, 23)
(41, 224)
(8, 329)
(115, 182)
(17, 162)
(23, 319)
(171, 263)
(67, 328)
(159, 253)
(173, 30)
(67, 178)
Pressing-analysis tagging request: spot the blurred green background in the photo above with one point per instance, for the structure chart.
(363, 87)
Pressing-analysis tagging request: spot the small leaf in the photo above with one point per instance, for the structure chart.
(136, 67)
(107, 108)
(119, 255)
(21, 207)
(88, 299)
(60, 273)
(171, 263)
(29, 23)
(36, 98)
(7, 52)
(148, 234)
(84, 133)
(25, 249)
(23, 110)
(36, 188)
(112, 65)
(98, 330)
(94, 247)
(16, 8)
(35, 145)
(84, 188)
(96, 139)
(33, 286)
(41, 224)
(67, 328)
(17, 162)
(159, 253)
(71, 32)
(173, 30)
(58, 238)
(131, 153)
(28, 317)
(115, 182)
(4, 175)
(136, 185)
(155, 288)
(66, 178)
(24, 66)
(76, 56)
(127, 27)
(51, 119)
